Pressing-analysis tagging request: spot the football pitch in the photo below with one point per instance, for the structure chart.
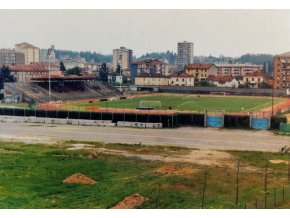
(184, 102)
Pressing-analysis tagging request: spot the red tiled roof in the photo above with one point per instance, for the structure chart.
(220, 79)
(256, 73)
(28, 68)
(85, 76)
(198, 66)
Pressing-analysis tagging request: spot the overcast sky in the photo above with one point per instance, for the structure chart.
(227, 32)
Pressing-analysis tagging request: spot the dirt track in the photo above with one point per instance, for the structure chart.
(204, 138)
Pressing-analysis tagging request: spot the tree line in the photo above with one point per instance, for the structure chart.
(171, 57)
(89, 56)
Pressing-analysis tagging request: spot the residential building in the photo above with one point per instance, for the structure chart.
(144, 79)
(149, 66)
(200, 71)
(44, 57)
(234, 70)
(254, 79)
(182, 79)
(224, 81)
(31, 53)
(124, 57)
(282, 71)
(24, 73)
(11, 57)
(93, 67)
(70, 63)
(184, 54)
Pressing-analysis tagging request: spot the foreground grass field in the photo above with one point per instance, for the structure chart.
(31, 177)
(189, 103)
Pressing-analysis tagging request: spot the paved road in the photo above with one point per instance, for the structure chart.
(208, 138)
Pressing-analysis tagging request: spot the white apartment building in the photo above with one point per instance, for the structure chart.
(124, 57)
(184, 54)
(31, 53)
(234, 70)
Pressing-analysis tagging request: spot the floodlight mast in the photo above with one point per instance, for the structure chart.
(49, 82)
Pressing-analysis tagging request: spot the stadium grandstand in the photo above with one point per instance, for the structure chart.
(63, 88)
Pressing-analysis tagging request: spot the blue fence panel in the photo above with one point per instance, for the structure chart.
(214, 121)
(260, 123)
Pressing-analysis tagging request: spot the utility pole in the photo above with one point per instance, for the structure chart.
(266, 184)
(49, 82)
(237, 184)
(273, 97)
(203, 190)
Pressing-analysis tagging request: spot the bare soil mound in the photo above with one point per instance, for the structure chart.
(79, 178)
(278, 161)
(130, 202)
(7, 151)
(173, 169)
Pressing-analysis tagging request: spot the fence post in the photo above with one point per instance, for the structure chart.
(205, 118)
(237, 184)
(288, 171)
(265, 183)
(157, 196)
(203, 191)
(275, 192)
(283, 195)
(256, 203)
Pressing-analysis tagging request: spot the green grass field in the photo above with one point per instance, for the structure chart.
(15, 105)
(31, 177)
(189, 103)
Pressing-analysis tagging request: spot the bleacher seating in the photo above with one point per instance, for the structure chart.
(64, 92)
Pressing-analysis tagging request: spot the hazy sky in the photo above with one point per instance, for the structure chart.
(228, 32)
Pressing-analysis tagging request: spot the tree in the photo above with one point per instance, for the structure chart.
(6, 74)
(264, 85)
(206, 83)
(74, 71)
(118, 70)
(62, 67)
(270, 67)
(245, 85)
(264, 69)
(103, 73)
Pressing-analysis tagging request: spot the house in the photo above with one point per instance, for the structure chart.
(236, 69)
(24, 73)
(254, 79)
(144, 79)
(240, 80)
(200, 71)
(224, 81)
(182, 79)
(150, 66)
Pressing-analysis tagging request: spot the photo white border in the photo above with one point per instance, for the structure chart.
(145, 4)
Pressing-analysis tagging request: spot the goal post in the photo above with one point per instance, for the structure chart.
(153, 104)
